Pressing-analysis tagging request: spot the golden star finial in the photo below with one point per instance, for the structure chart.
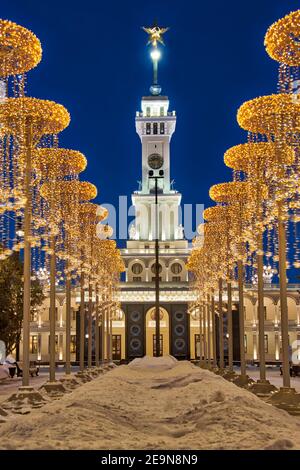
(155, 34)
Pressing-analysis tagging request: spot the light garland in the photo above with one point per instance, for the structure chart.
(46, 117)
(102, 212)
(20, 49)
(229, 192)
(264, 114)
(215, 213)
(55, 162)
(244, 156)
(104, 231)
(84, 189)
(282, 39)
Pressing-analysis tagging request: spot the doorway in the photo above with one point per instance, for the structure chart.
(151, 333)
(116, 347)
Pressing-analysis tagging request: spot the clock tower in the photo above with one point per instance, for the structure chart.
(155, 125)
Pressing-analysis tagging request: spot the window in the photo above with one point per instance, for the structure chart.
(176, 278)
(73, 314)
(148, 111)
(56, 314)
(159, 268)
(137, 279)
(265, 312)
(153, 279)
(56, 344)
(162, 128)
(162, 111)
(147, 247)
(266, 344)
(137, 268)
(73, 344)
(33, 315)
(116, 347)
(148, 128)
(33, 348)
(167, 247)
(155, 128)
(176, 268)
(245, 343)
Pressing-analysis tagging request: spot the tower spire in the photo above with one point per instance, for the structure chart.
(155, 34)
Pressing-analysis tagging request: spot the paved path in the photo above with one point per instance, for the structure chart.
(10, 386)
(273, 375)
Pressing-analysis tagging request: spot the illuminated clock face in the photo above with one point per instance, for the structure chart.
(155, 161)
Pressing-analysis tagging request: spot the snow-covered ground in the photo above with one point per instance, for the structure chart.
(155, 403)
(10, 386)
(273, 375)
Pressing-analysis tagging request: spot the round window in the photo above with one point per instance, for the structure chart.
(135, 330)
(137, 268)
(179, 316)
(159, 268)
(179, 330)
(176, 268)
(179, 344)
(135, 316)
(135, 344)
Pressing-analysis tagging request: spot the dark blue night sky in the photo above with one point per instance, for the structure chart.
(96, 63)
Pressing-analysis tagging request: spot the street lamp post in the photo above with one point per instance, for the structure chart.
(157, 310)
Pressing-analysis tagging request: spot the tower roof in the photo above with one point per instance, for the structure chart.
(155, 98)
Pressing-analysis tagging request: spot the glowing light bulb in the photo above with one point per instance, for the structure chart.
(155, 54)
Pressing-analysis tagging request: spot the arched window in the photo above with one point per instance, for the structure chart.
(137, 268)
(176, 268)
(159, 268)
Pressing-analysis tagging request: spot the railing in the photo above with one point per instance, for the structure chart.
(145, 115)
(273, 286)
(147, 284)
(162, 251)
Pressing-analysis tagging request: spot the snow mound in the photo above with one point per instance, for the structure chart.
(280, 444)
(180, 381)
(126, 409)
(148, 362)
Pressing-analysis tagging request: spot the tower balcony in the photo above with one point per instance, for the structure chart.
(141, 114)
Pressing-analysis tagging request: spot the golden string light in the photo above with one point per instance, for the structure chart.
(45, 117)
(58, 162)
(246, 157)
(282, 39)
(270, 114)
(83, 189)
(20, 49)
